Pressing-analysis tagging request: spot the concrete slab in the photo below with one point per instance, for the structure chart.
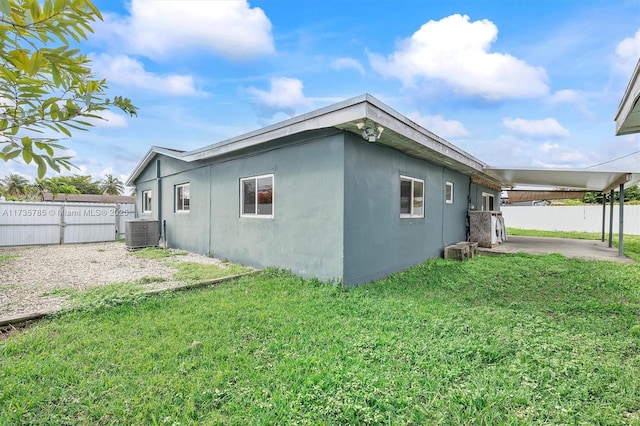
(579, 249)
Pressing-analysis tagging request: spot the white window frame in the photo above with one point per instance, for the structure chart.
(273, 192)
(486, 204)
(412, 214)
(146, 201)
(179, 206)
(448, 193)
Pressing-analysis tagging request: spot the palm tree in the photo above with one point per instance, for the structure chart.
(15, 185)
(111, 185)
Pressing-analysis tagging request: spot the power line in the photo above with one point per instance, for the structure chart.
(615, 159)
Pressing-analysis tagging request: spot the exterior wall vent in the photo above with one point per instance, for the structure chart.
(141, 233)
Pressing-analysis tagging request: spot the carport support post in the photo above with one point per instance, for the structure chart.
(604, 213)
(621, 226)
(611, 219)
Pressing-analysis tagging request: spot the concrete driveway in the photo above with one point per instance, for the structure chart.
(579, 249)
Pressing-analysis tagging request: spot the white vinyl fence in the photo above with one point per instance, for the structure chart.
(24, 223)
(570, 218)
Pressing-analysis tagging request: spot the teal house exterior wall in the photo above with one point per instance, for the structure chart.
(377, 240)
(305, 234)
(336, 207)
(336, 194)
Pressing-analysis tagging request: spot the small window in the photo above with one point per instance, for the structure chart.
(256, 196)
(146, 201)
(411, 197)
(183, 199)
(487, 201)
(448, 193)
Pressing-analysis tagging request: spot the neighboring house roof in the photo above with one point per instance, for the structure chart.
(628, 114)
(523, 196)
(399, 132)
(89, 198)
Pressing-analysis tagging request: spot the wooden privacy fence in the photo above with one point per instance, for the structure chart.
(570, 218)
(24, 223)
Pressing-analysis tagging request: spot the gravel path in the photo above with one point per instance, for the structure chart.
(27, 274)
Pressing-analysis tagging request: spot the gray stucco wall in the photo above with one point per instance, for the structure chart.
(305, 235)
(336, 207)
(476, 197)
(379, 242)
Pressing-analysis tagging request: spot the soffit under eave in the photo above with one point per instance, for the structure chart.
(628, 114)
(629, 123)
(577, 179)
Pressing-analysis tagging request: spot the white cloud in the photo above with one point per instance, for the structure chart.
(547, 147)
(348, 63)
(547, 127)
(439, 125)
(552, 155)
(109, 119)
(566, 96)
(627, 54)
(457, 51)
(579, 100)
(162, 29)
(123, 70)
(284, 96)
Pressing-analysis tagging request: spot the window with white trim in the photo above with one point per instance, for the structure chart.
(183, 197)
(448, 193)
(411, 197)
(146, 201)
(256, 196)
(487, 201)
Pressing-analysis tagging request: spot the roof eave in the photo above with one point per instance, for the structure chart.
(627, 116)
(147, 159)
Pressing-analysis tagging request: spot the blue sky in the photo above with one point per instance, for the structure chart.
(514, 83)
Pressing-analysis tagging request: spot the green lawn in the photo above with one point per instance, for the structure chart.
(512, 339)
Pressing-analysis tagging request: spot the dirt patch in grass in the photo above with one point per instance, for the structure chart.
(45, 279)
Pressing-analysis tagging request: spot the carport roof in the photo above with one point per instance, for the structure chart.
(574, 179)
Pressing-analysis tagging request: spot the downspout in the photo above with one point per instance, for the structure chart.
(604, 213)
(611, 194)
(621, 226)
(468, 219)
(161, 231)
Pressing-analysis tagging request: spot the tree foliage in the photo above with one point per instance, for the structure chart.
(111, 185)
(47, 88)
(630, 194)
(77, 184)
(15, 185)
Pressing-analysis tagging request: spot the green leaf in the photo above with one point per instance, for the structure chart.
(42, 167)
(5, 7)
(27, 156)
(10, 155)
(55, 75)
(35, 10)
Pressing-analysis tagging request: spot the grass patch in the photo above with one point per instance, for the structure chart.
(194, 272)
(631, 242)
(151, 280)
(157, 253)
(513, 339)
(97, 297)
(7, 287)
(6, 258)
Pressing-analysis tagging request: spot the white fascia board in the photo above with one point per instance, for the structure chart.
(147, 159)
(574, 179)
(628, 114)
(392, 120)
(332, 116)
